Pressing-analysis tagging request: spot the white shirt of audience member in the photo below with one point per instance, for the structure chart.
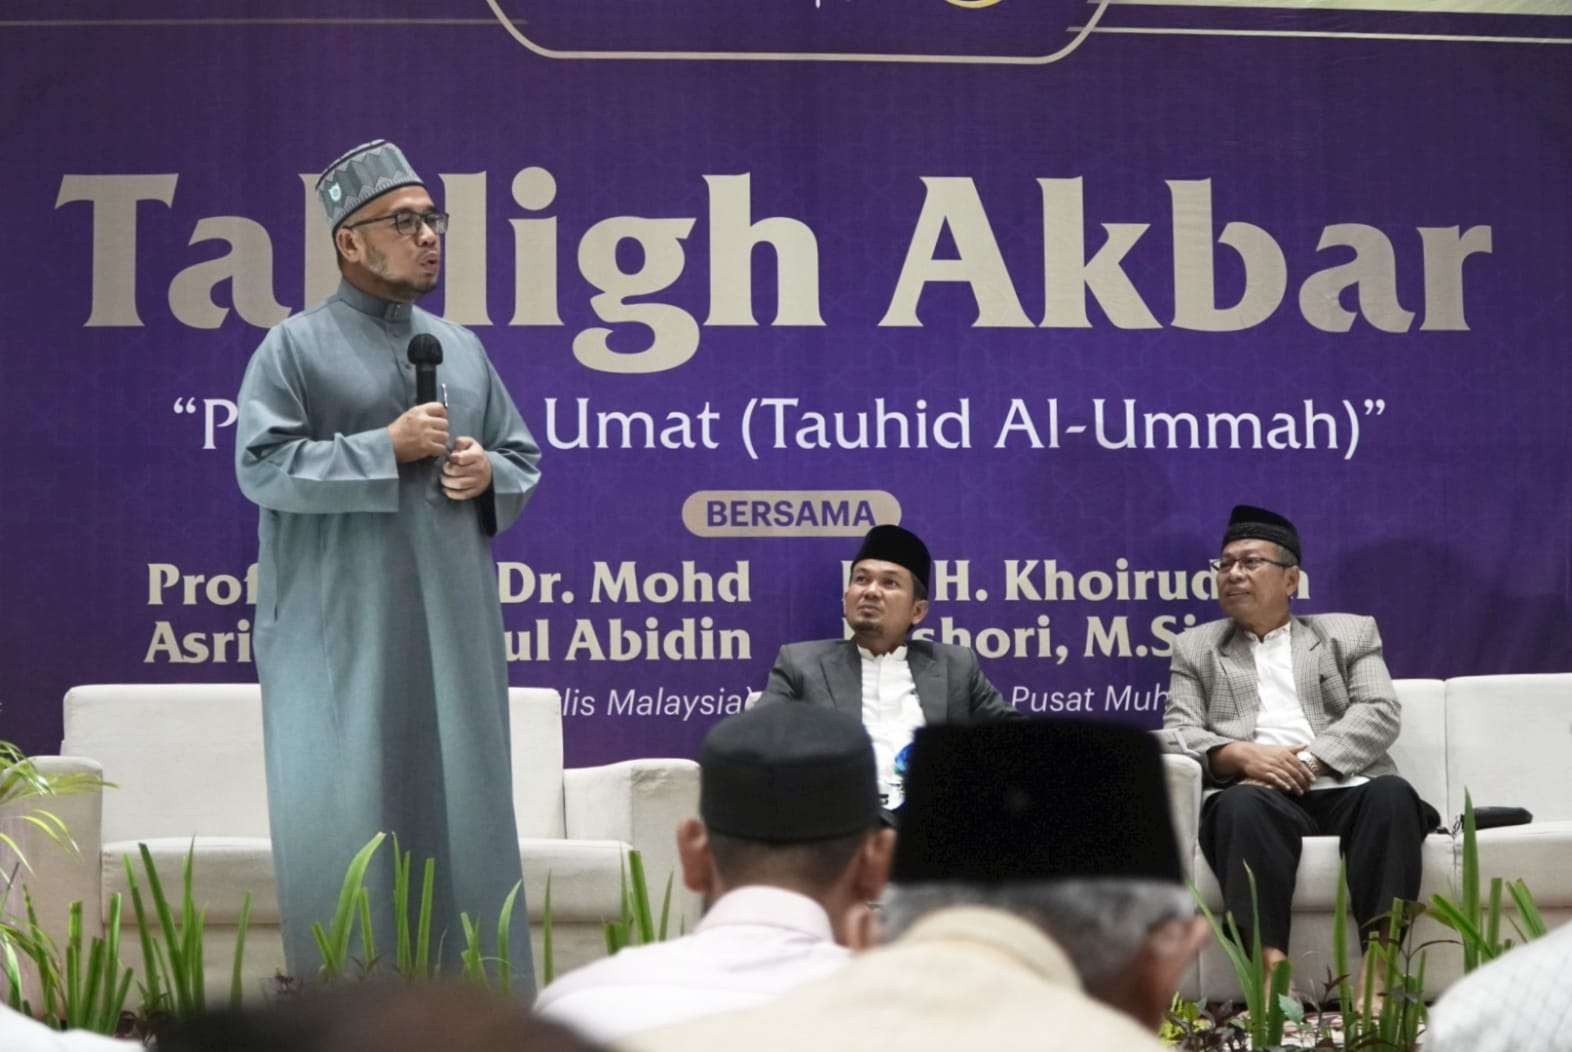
(1516, 1003)
(891, 714)
(18, 1033)
(754, 944)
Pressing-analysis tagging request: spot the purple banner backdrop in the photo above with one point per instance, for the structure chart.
(1055, 284)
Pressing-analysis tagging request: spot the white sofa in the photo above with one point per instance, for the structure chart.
(1508, 740)
(186, 761)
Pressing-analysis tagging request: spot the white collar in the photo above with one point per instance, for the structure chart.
(1280, 632)
(761, 904)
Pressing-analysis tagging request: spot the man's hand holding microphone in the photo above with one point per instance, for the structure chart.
(422, 431)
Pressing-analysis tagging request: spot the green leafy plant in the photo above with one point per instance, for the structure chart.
(21, 781)
(333, 943)
(86, 987)
(1478, 923)
(412, 949)
(473, 962)
(1183, 1017)
(1370, 1022)
(174, 973)
(77, 990)
(1387, 1012)
(635, 924)
(1394, 1019)
(1266, 996)
(548, 970)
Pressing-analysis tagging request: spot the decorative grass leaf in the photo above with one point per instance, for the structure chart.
(665, 908)
(11, 968)
(21, 780)
(339, 932)
(640, 898)
(403, 942)
(1533, 922)
(53, 828)
(368, 941)
(504, 951)
(474, 969)
(330, 970)
(428, 889)
(235, 988)
(547, 949)
(153, 967)
(172, 944)
(16, 849)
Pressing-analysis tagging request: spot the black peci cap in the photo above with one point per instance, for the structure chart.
(1035, 800)
(1247, 522)
(898, 545)
(788, 772)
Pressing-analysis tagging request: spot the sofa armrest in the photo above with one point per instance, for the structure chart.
(640, 803)
(59, 876)
(1184, 801)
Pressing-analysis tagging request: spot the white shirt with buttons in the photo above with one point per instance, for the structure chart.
(1282, 719)
(890, 713)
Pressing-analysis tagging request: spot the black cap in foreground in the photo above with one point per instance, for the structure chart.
(788, 772)
(1035, 800)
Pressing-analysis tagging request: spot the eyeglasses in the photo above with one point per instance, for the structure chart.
(409, 223)
(1250, 564)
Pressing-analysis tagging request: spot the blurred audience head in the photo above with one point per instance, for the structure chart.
(385, 1016)
(788, 798)
(1065, 824)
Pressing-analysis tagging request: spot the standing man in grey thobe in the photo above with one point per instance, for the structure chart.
(378, 631)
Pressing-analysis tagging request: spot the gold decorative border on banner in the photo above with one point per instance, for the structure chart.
(1422, 7)
(182, 23)
(1542, 8)
(1081, 33)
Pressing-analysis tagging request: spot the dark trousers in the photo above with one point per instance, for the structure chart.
(1379, 827)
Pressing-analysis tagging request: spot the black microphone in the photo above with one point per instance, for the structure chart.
(425, 354)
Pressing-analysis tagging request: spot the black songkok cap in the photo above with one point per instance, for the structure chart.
(894, 544)
(1249, 523)
(788, 772)
(1034, 800)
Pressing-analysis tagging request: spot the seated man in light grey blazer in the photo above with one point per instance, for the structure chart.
(1290, 719)
(893, 685)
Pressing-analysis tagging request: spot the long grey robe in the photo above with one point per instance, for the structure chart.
(378, 632)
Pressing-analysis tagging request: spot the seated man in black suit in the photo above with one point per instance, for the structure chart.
(892, 684)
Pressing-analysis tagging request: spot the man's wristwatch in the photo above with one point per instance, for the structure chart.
(1310, 760)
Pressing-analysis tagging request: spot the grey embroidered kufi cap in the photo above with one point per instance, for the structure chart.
(366, 172)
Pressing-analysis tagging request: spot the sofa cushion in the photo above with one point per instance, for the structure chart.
(535, 730)
(1420, 749)
(585, 877)
(1183, 777)
(1538, 853)
(223, 869)
(186, 759)
(1316, 882)
(1508, 739)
